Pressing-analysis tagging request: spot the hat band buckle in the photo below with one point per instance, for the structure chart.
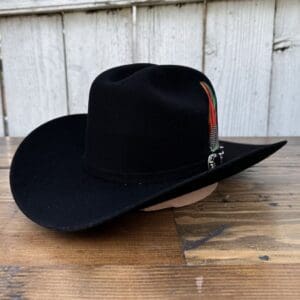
(215, 158)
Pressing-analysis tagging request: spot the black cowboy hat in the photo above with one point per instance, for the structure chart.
(150, 135)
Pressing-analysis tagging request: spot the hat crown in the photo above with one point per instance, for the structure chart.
(147, 122)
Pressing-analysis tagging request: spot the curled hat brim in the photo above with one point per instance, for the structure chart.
(50, 186)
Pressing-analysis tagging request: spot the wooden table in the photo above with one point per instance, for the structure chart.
(243, 241)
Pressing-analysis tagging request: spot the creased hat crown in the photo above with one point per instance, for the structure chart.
(148, 122)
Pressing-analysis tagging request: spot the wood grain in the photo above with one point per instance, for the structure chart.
(252, 218)
(154, 241)
(8, 147)
(159, 39)
(238, 50)
(251, 54)
(1, 102)
(94, 42)
(33, 70)
(245, 237)
(17, 7)
(284, 102)
(137, 238)
(157, 282)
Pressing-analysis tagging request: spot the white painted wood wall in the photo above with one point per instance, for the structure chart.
(51, 51)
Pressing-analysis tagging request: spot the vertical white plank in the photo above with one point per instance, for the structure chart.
(33, 69)
(171, 34)
(285, 92)
(1, 122)
(94, 42)
(1, 113)
(238, 55)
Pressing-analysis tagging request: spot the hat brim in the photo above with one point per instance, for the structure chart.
(50, 186)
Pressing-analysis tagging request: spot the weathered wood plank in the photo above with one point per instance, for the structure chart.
(285, 101)
(94, 42)
(252, 218)
(238, 51)
(8, 146)
(34, 73)
(1, 106)
(158, 282)
(153, 242)
(259, 204)
(14, 7)
(5, 193)
(247, 232)
(170, 35)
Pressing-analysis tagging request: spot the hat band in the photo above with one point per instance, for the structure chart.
(153, 177)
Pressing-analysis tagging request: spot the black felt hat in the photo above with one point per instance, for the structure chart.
(151, 134)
